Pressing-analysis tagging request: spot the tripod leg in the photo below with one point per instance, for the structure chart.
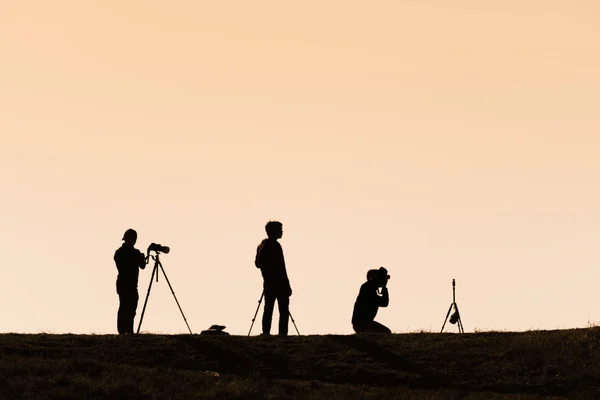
(447, 314)
(175, 297)
(294, 322)
(459, 322)
(154, 271)
(256, 313)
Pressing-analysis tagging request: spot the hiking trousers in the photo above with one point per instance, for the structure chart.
(128, 302)
(283, 302)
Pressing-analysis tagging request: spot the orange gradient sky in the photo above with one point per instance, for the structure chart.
(438, 139)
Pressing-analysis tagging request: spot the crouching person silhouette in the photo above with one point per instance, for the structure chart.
(276, 286)
(128, 260)
(368, 302)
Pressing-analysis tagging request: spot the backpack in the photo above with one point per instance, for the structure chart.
(215, 330)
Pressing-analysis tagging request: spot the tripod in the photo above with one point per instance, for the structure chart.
(256, 313)
(455, 318)
(158, 264)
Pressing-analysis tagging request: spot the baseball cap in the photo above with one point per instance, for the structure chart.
(128, 233)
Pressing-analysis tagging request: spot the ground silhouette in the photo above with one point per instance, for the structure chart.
(562, 364)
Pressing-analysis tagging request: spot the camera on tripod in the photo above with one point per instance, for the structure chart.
(158, 248)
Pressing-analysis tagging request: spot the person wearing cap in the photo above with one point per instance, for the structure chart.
(368, 302)
(128, 260)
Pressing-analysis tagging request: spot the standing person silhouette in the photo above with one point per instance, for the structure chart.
(128, 260)
(276, 286)
(368, 302)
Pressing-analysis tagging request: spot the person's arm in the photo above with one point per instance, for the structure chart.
(117, 259)
(281, 262)
(142, 260)
(289, 287)
(256, 260)
(384, 299)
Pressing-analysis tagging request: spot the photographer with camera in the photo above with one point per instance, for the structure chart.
(128, 260)
(368, 302)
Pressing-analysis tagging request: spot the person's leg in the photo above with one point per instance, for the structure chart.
(370, 327)
(358, 328)
(379, 328)
(283, 302)
(128, 306)
(132, 310)
(121, 314)
(268, 314)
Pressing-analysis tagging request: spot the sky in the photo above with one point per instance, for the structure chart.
(441, 140)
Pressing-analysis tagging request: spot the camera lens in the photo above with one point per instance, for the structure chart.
(159, 248)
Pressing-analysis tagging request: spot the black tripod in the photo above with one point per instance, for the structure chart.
(456, 315)
(256, 313)
(158, 264)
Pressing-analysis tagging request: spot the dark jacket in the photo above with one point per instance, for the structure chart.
(129, 260)
(368, 302)
(269, 258)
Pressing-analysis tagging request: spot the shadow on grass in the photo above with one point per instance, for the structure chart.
(227, 360)
(231, 361)
(422, 377)
(417, 376)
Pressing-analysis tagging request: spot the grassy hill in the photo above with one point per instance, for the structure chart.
(528, 365)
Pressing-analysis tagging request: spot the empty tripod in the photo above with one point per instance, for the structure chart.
(455, 318)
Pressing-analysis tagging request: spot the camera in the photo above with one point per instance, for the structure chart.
(383, 271)
(454, 317)
(158, 248)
